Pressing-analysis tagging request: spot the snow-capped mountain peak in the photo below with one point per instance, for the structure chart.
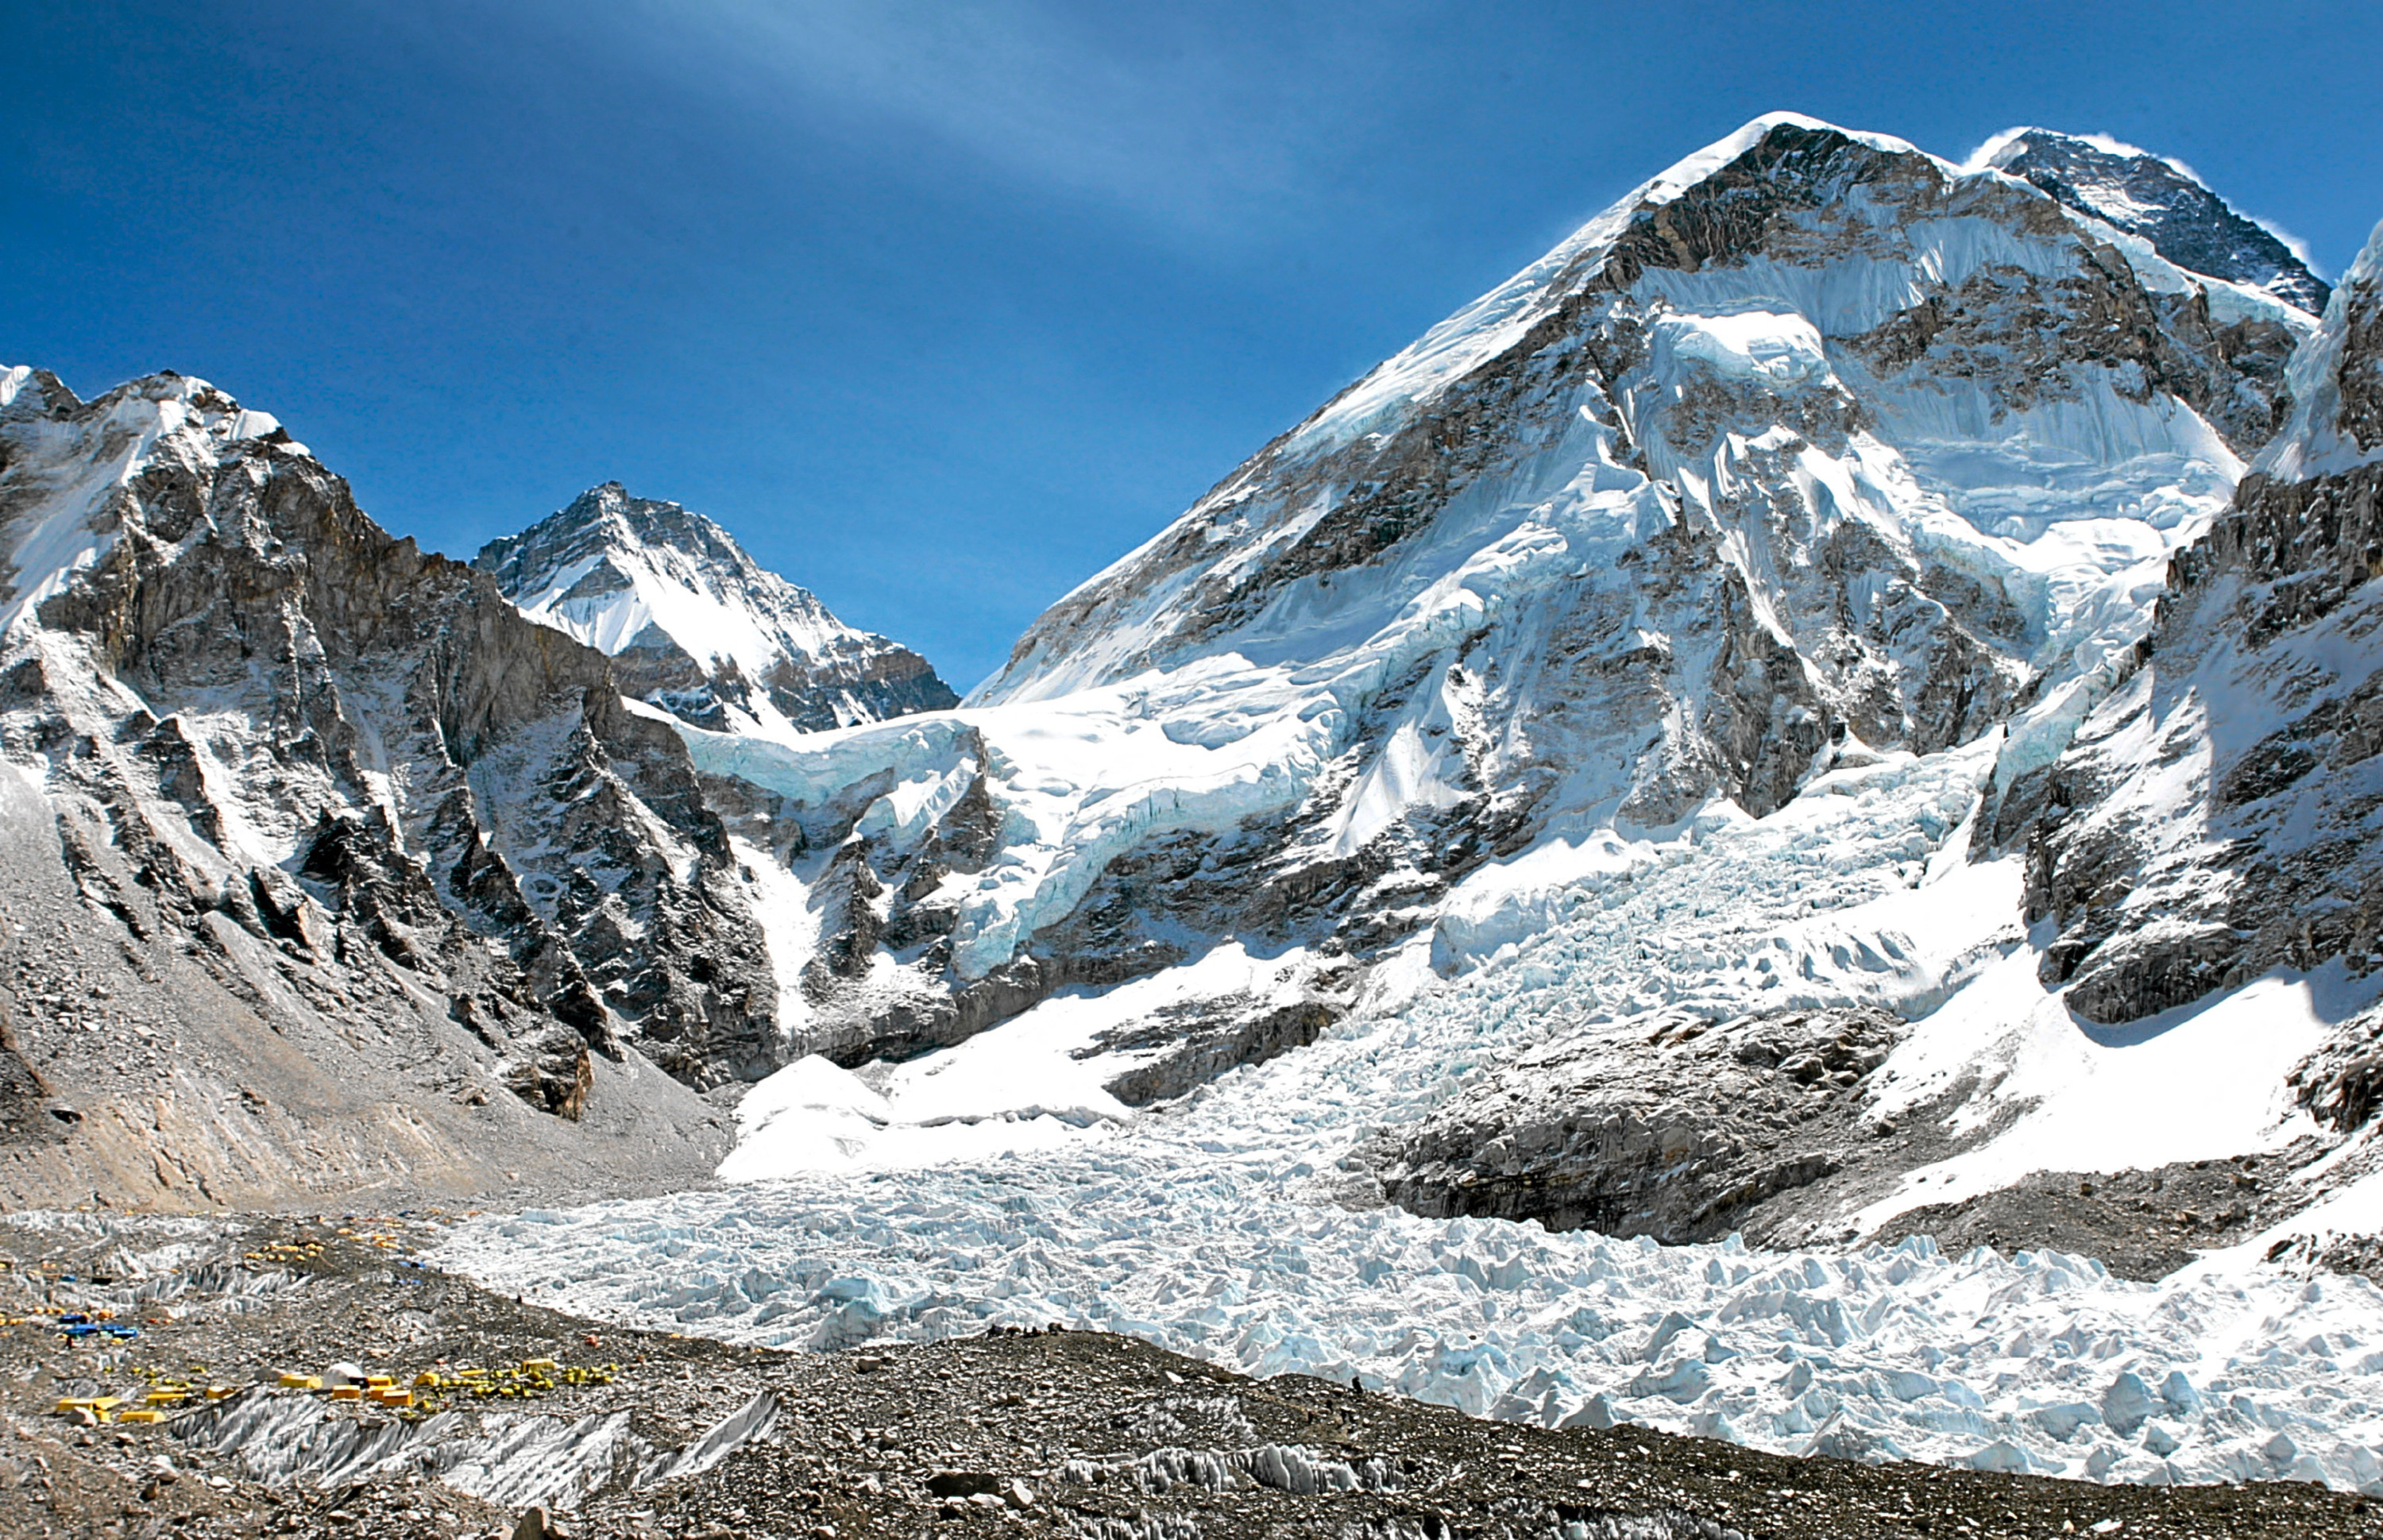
(2160, 199)
(697, 626)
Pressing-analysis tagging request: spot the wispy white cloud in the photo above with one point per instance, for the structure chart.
(1163, 114)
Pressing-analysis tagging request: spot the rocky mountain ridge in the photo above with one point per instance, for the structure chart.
(307, 786)
(2214, 818)
(2164, 202)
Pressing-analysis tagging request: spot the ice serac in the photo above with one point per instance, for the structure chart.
(2162, 201)
(342, 780)
(1814, 448)
(694, 625)
(2214, 818)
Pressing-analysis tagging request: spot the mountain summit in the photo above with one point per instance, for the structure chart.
(2162, 201)
(694, 625)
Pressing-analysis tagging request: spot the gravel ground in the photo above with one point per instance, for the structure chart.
(1065, 1432)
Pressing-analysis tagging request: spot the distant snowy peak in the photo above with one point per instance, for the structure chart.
(2160, 200)
(697, 626)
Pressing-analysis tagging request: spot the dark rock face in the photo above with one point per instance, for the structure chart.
(2342, 1084)
(2359, 374)
(1682, 1137)
(1202, 1041)
(2146, 196)
(255, 708)
(2214, 817)
(582, 570)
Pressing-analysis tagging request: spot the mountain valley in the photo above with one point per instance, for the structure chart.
(1840, 706)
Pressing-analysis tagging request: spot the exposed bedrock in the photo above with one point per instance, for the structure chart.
(1683, 1134)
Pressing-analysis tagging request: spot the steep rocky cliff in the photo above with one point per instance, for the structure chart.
(2216, 818)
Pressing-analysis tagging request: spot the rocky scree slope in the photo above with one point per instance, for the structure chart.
(695, 626)
(1815, 447)
(328, 806)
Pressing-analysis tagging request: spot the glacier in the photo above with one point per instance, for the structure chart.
(1219, 1226)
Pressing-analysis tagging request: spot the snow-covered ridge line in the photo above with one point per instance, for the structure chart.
(78, 531)
(1777, 485)
(2161, 199)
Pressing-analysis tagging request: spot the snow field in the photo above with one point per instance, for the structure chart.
(1224, 1227)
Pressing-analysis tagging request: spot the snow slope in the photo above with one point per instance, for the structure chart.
(1814, 446)
(2337, 382)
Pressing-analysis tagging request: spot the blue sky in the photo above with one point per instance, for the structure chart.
(940, 307)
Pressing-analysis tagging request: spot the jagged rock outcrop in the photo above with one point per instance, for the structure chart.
(1683, 1133)
(695, 626)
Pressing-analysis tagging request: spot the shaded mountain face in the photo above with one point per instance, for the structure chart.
(2158, 200)
(2216, 816)
(1812, 450)
(695, 626)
